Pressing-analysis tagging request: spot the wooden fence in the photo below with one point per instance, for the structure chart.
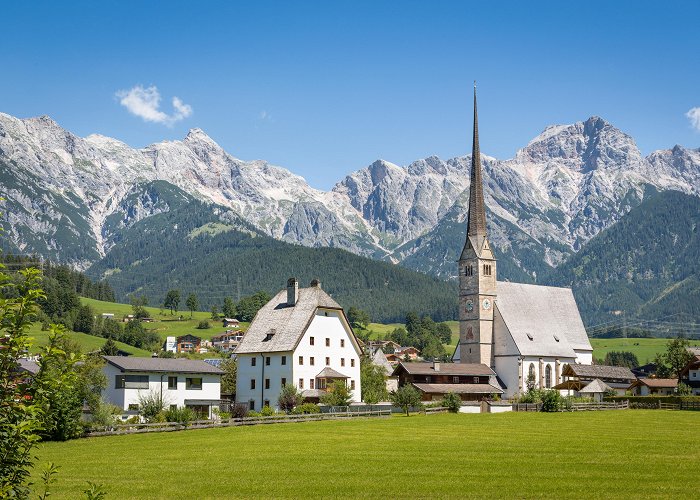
(623, 405)
(527, 406)
(690, 405)
(233, 422)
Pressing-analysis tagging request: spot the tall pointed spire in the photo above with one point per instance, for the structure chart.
(476, 225)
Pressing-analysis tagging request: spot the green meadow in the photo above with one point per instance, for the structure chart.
(614, 454)
(644, 349)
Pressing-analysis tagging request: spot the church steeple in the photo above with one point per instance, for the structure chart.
(477, 271)
(476, 226)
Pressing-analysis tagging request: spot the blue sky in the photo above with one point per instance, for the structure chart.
(325, 88)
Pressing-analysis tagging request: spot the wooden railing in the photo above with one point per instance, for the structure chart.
(233, 422)
(527, 406)
(623, 405)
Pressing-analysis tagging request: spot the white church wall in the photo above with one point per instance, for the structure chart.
(508, 371)
(584, 357)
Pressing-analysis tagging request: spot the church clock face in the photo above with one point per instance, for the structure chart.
(470, 305)
(487, 304)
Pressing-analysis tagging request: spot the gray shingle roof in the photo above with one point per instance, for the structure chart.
(329, 372)
(445, 369)
(543, 320)
(379, 359)
(596, 386)
(598, 371)
(28, 365)
(162, 365)
(458, 388)
(286, 323)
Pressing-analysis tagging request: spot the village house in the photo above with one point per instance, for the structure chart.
(472, 382)
(596, 389)
(407, 353)
(231, 322)
(300, 337)
(576, 377)
(227, 341)
(690, 375)
(179, 382)
(189, 343)
(380, 359)
(654, 386)
(525, 333)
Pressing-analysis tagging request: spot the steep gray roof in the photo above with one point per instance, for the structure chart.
(329, 372)
(459, 388)
(543, 320)
(161, 365)
(379, 359)
(286, 323)
(599, 371)
(596, 386)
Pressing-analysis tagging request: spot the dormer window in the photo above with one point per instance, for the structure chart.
(556, 338)
(529, 335)
(269, 335)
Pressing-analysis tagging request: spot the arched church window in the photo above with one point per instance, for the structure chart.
(531, 371)
(548, 376)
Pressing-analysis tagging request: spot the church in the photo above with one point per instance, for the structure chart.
(522, 332)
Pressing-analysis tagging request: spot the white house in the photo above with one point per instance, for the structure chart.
(300, 337)
(180, 382)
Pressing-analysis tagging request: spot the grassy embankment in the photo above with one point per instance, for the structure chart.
(165, 325)
(516, 455)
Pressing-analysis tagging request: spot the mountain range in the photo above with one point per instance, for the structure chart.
(73, 199)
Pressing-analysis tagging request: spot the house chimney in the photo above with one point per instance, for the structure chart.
(292, 291)
(436, 366)
(315, 283)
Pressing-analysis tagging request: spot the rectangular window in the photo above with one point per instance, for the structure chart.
(283, 382)
(428, 378)
(193, 383)
(252, 383)
(342, 361)
(312, 361)
(253, 361)
(476, 380)
(455, 380)
(251, 405)
(328, 361)
(133, 407)
(352, 385)
(173, 407)
(267, 383)
(266, 403)
(321, 383)
(311, 383)
(342, 342)
(311, 341)
(352, 362)
(301, 383)
(131, 382)
(301, 360)
(328, 342)
(172, 383)
(267, 360)
(284, 360)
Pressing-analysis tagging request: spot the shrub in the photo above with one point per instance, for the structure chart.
(150, 405)
(203, 325)
(267, 411)
(182, 415)
(452, 402)
(240, 411)
(306, 409)
(552, 401)
(253, 413)
(289, 398)
(337, 395)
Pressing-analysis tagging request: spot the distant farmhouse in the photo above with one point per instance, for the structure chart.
(521, 332)
(300, 337)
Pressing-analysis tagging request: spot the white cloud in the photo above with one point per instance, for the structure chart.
(145, 102)
(694, 117)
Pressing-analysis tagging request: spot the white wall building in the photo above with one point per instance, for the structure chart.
(300, 337)
(180, 382)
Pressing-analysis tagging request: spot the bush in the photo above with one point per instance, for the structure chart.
(253, 413)
(240, 411)
(267, 411)
(203, 325)
(306, 409)
(552, 401)
(182, 415)
(289, 398)
(452, 402)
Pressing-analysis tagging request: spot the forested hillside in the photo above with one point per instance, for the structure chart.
(214, 254)
(647, 265)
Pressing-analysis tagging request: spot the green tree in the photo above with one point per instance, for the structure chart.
(677, 356)
(214, 312)
(373, 382)
(109, 348)
(138, 306)
(85, 320)
(444, 333)
(192, 303)
(452, 402)
(400, 336)
(358, 318)
(337, 395)
(248, 307)
(289, 398)
(228, 379)
(229, 308)
(172, 300)
(406, 397)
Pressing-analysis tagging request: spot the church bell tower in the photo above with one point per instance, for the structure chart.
(477, 272)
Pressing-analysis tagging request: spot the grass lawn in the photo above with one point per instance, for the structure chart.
(644, 349)
(621, 454)
(86, 342)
